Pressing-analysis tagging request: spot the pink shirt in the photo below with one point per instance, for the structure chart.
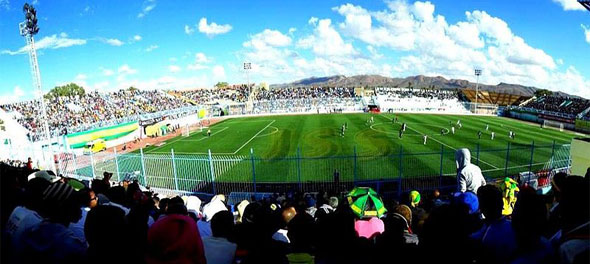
(369, 228)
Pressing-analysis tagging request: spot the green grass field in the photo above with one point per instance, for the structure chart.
(308, 148)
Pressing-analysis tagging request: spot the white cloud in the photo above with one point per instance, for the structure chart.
(326, 41)
(101, 86)
(218, 73)
(268, 37)
(114, 42)
(570, 5)
(188, 30)
(201, 57)
(212, 29)
(586, 32)
(200, 62)
(174, 68)
(107, 72)
(292, 30)
(148, 6)
(375, 55)
(5, 4)
(173, 59)
(137, 37)
(81, 77)
(126, 70)
(49, 42)
(151, 47)
(12, 97)
(313, 21)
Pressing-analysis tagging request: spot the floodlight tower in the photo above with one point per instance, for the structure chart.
(477, 74)
(247, 68)
(28, 28)
(585, 3)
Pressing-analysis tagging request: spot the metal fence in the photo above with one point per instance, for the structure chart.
(393, 173)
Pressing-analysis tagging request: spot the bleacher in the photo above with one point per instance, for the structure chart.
(487, 97)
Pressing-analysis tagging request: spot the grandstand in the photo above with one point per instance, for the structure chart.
(488, 97)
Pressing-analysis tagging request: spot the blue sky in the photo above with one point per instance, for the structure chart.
(107, 45)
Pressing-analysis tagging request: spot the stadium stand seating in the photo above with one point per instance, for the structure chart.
(487, 97)
(68, 221)
(557, 104)
(419, 100)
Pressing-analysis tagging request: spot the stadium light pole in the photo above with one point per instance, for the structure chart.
(247, 68)
(28, 28)
(477, 74)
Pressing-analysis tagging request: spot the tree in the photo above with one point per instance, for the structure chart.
(221, 85)
(132, 89)
(543, 92)
(70, 89)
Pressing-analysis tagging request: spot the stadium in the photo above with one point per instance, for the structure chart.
(294, 172)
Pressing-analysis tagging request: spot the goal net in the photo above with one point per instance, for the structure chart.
(553, 124)
(186, 131)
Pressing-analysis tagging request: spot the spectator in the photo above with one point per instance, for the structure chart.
(575, 213)
(105, 230)
(218, 248)
(25, 217)
(209, 210)
(281, 234)
(528, 221)
(469, 177)
(174, 239)
(51, 241)
(398, 239)
(301, 234)
(496, 239)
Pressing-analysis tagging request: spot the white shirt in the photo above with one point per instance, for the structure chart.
(20, 220)
(218, 250)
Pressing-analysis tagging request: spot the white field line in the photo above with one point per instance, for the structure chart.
(180, 138)
(193, 140)
(252, 138)
(483, 161)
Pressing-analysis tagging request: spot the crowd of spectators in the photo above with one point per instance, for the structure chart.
(302, 99)
(424, 93)
(558, 104)
(52, 220)
(238, 94)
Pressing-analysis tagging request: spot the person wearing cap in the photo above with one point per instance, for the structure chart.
(51, 241)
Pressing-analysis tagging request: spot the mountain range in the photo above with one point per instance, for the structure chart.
(419, 81)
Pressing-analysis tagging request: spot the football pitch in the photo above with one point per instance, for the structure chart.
(309, 148)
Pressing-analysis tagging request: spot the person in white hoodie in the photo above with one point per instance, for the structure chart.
(469, 177)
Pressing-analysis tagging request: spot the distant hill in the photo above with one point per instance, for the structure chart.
(419, 81)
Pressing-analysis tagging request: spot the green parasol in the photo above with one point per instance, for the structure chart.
(365, 202)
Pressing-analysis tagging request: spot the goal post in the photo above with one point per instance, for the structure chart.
(553, 124)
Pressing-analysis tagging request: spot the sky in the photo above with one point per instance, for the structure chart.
(107, 45)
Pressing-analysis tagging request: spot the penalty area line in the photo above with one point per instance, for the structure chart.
(253, 137)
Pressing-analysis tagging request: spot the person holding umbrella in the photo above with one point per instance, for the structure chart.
(369, 208)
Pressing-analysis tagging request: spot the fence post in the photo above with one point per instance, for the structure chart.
(532, 153)
(507, 158)
(143, 167)
(552, 153)
(212, 172)
(253, 169)
(477, 153)
(442, 154)
(299, 167)
(117, 164)
(401, 173)
(92, 165)
(354, 172)
(174, 170)
(75, 164)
